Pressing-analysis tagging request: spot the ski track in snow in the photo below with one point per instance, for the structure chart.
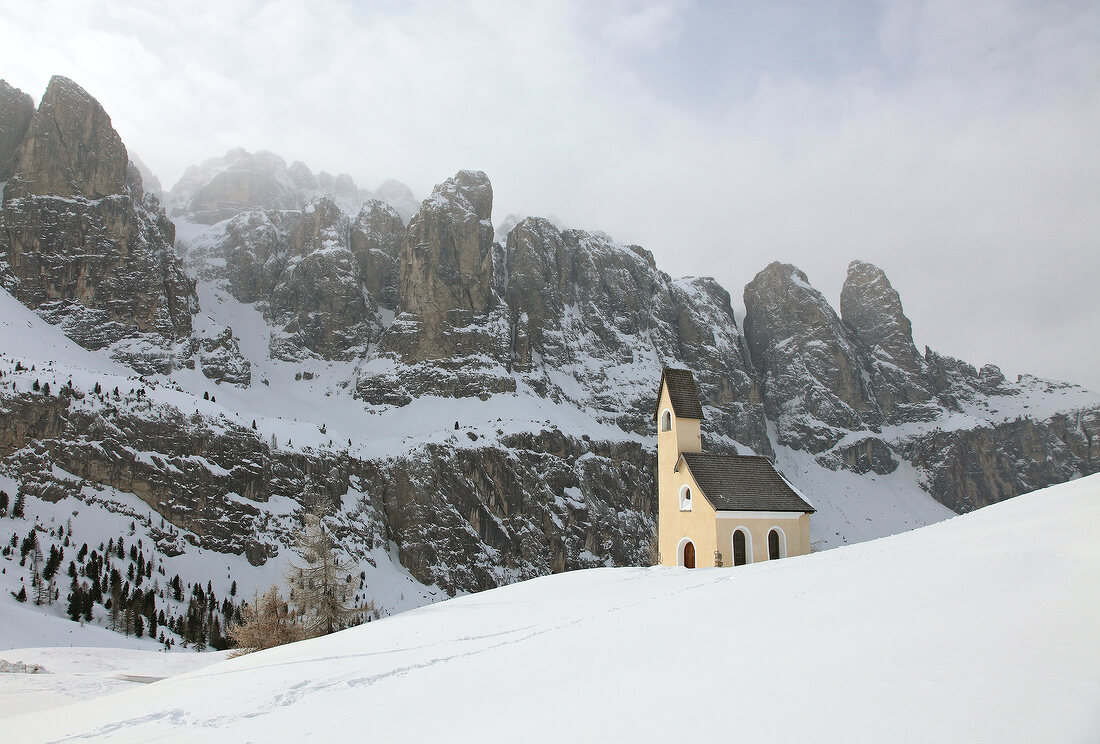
(975, 629)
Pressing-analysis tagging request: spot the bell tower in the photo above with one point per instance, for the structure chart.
(679, 416)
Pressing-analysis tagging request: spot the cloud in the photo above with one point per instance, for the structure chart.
(952, 144)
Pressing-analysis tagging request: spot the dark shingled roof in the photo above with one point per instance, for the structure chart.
(743, 483)
(681, 389)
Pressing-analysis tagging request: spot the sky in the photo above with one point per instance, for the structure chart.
(955, 145)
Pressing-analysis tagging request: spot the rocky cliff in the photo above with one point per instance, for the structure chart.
(479, 408)
(82, 243)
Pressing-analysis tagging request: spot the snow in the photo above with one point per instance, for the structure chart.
(980, 628)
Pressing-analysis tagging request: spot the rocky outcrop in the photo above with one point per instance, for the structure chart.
(318, 299)
(583, 304)
(447, 261)
(220, 359)
(82, 244)
(543, 502)
(376, 240)
(70, 149)
(871, 308)
(197, 473)
(16, 110)
(976, 467)
(248, 256)
(946, 416)
(150, 184)
(810, 371)
(452, 334)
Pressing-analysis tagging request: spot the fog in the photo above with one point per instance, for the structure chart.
(953, 144)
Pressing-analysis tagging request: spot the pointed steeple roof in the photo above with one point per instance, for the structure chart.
(682, 393)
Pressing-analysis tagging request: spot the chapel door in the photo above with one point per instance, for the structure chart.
(739, 555)
(689, 555)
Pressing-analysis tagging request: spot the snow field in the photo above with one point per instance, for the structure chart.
(980, 628)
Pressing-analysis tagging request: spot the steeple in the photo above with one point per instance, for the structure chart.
(678, 418)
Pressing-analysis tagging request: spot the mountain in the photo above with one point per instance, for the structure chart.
(945, 633)
(240, 181)
(480, 412)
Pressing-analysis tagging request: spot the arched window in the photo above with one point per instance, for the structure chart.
(741, 547)
(666, 420)
(777, 544)
(685, 498)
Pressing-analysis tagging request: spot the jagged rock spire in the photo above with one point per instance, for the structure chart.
(809, 366)
(70, 148)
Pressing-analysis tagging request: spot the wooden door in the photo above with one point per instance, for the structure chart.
(689, 555)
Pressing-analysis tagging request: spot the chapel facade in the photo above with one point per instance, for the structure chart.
(718, 510)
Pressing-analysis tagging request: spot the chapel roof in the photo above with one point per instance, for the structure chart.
(682, 393)
(743, 483)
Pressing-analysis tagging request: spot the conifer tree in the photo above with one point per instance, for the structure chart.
(320, 590)
(76, 601)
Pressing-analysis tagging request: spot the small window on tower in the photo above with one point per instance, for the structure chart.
(666, 420)
(685, 499)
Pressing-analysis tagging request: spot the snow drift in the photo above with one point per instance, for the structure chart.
(981, 628)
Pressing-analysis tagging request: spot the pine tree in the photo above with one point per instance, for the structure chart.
(3, 503)
(17, 507)
(30, 543)
(320, 590)
(76, 602)
(43, 592)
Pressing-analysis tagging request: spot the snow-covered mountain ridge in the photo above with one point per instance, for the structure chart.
(481, 411)
(939, 634)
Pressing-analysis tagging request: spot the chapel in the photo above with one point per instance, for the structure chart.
(718, 510)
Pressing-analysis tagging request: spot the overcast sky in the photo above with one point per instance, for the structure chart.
(954, 144)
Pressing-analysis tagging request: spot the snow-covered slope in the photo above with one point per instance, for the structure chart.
(981, 628)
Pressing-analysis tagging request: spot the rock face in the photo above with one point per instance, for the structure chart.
(376, 240)
(85, 246)
(446, 263)
(542, 503)
(830, 386)
(103, 442)
(16, 110)
(982, 466)
(318, 298)
(810, 371)
(81, 243)
(871, 308)
(70, 148)
(447, 269)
